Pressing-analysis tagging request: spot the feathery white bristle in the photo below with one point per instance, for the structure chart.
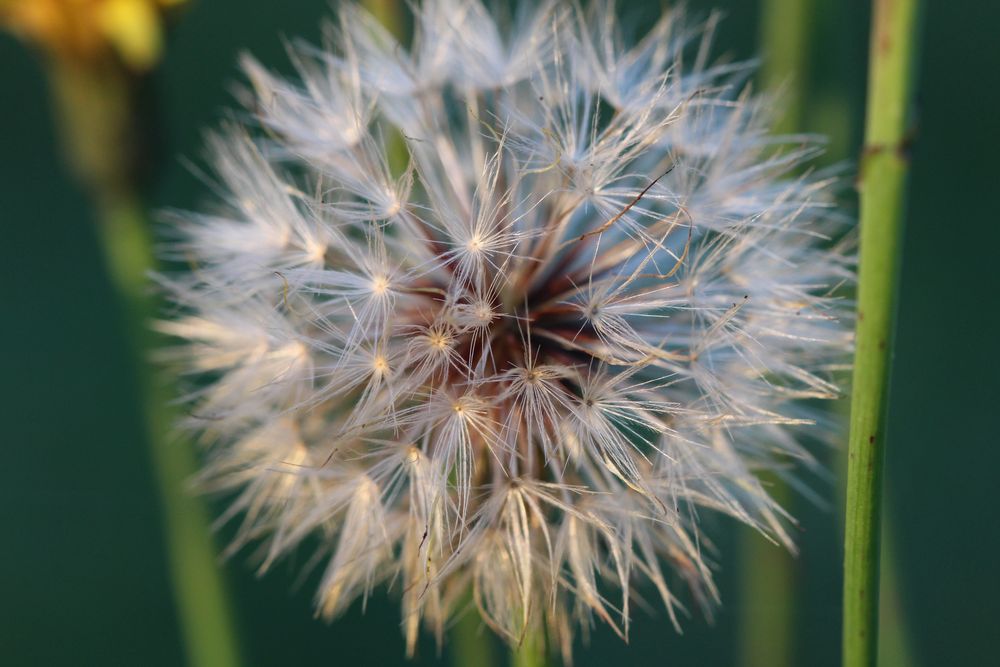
(590, 307)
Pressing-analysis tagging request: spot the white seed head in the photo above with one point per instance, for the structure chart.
(590, 307)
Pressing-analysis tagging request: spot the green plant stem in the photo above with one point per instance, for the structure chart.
(882, 187)
(767, 580)
(470, 642)
(531, 652)
(784, 37)
(199, 591)
(101, 132)
(767, 599)
(390, 14)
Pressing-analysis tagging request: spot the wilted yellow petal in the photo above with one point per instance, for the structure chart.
(133, 27)
(43, 21)
(88, 29)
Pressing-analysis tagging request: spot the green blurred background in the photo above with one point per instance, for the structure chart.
(83, 577)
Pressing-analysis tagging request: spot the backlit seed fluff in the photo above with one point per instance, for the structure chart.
(507, 311)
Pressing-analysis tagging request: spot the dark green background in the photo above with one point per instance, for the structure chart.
(82, 571)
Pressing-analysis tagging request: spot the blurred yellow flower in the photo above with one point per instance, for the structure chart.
(83, 30)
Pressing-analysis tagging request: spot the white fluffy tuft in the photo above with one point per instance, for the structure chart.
(590, 306)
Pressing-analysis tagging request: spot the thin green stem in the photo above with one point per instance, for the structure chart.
(767, 599)
(784, 37)
(882, 187)
(767, 595)
(391, 14)
(199, 591)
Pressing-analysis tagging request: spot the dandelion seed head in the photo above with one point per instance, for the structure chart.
(595, 302)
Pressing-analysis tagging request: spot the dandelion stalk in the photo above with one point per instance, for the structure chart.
(96, 54)
(767, 590)
(884, 168)
(199, 593)
(470, 641)
(767, 581)
(784, 36)
(390, 14)
(531, 652)
(94, 106)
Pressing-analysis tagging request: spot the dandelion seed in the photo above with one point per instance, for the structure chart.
(587, 312)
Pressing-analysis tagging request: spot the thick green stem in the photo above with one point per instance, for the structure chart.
(199, 591)
(882, 186)
(94, 106)
(471, 642)
(531, 652)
